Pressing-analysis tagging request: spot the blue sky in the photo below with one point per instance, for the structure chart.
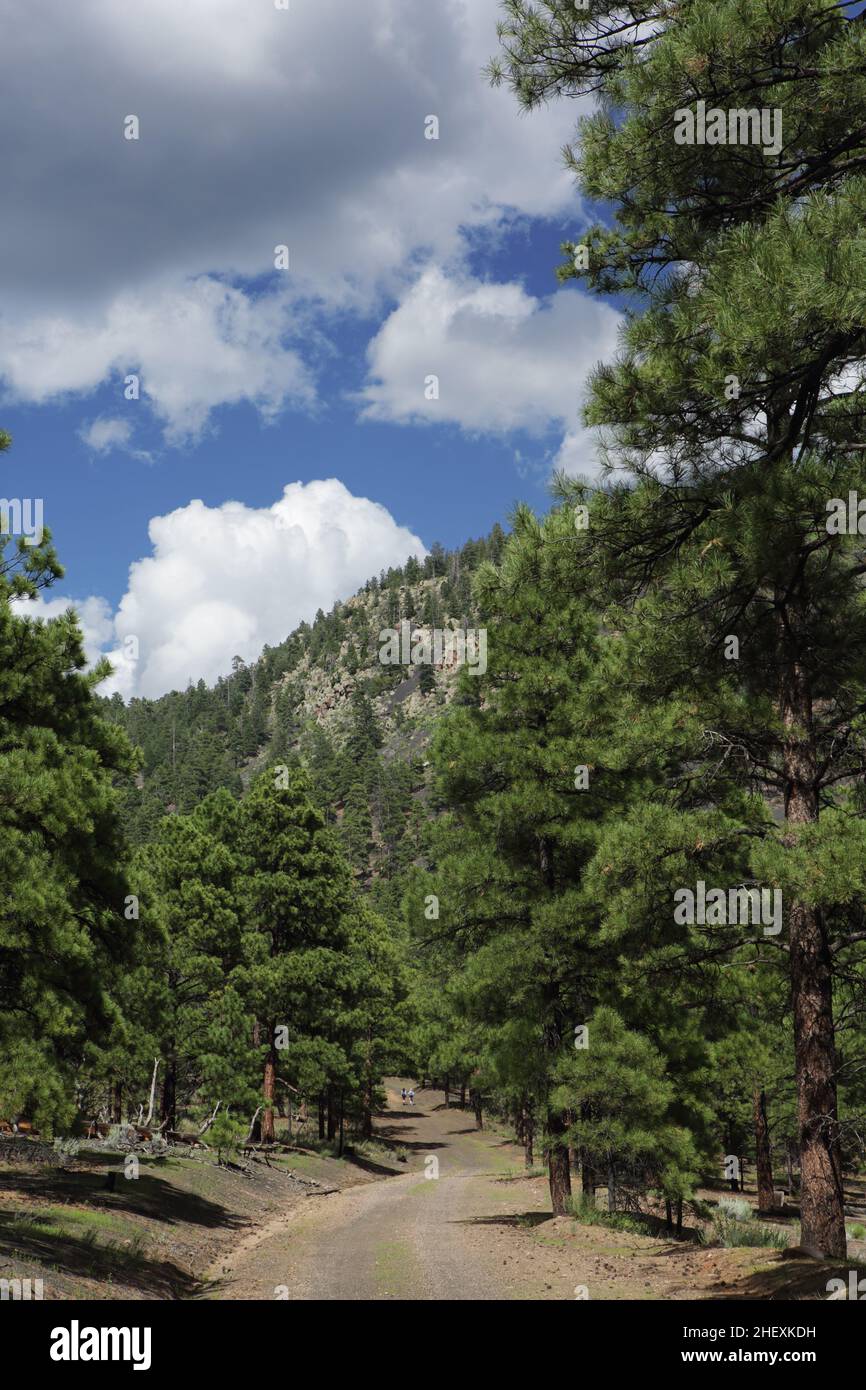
(155, 256)
(440, 481)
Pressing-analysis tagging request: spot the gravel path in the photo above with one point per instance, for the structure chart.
(407, 1237)
(469, 1235)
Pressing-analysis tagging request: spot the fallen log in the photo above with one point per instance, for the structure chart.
(175, 1137)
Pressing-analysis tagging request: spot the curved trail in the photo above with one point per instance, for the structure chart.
(405, 1237)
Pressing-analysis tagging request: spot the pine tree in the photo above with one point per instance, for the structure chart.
(297, 893)
(193, 868)
(356, 827)
(377, 1015)
(68, 921)
(511, 856)
(622, 1101)
(737, 406)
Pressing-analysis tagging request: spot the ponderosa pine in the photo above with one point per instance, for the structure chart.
(738, 400)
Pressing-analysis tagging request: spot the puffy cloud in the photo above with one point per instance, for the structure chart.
(104, 434)
(223, 581)
(194, 346)
(577, 454)
(94, 617)
(257, 127)
(504, 359)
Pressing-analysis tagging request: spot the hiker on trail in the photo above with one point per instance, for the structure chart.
(411, 1097)
(403, 1095)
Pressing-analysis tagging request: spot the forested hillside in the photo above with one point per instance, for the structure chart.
(323, 697)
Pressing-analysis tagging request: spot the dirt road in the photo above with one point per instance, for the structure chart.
(407, 1237)
(482, 1229)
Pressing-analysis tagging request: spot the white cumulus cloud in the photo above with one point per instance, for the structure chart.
(194, 346)
(223, 581)
(503, 359)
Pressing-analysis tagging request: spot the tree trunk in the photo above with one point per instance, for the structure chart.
(321, 1114)
(152, 1091)
(611, 1186)
(268, 1087)
(463, 1095)
(528, 1135)
(367, 1109)
(475, 1097)
(789, 1166)
(342, 1121)
(558, 1173)
(822, 1207)
(587, 1176)
(763, 1156)
(332, 1114)
(447, 1089)
(168, 1111)
(679, 1216)
(118, 1102)
(729, 1153)
(669, 1215)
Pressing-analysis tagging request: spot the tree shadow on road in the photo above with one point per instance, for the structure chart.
(369, 1165)
(415, 1145)
(517, 1220)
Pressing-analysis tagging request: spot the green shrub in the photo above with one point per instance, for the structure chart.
(69, 1147)
(728, 1231)
(735, 1208)
(584, 1210)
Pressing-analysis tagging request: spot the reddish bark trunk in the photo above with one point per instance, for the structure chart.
(168, 1114)
(763, 1157)
(558, 1174)
(822, 1209)
(269, 1087)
